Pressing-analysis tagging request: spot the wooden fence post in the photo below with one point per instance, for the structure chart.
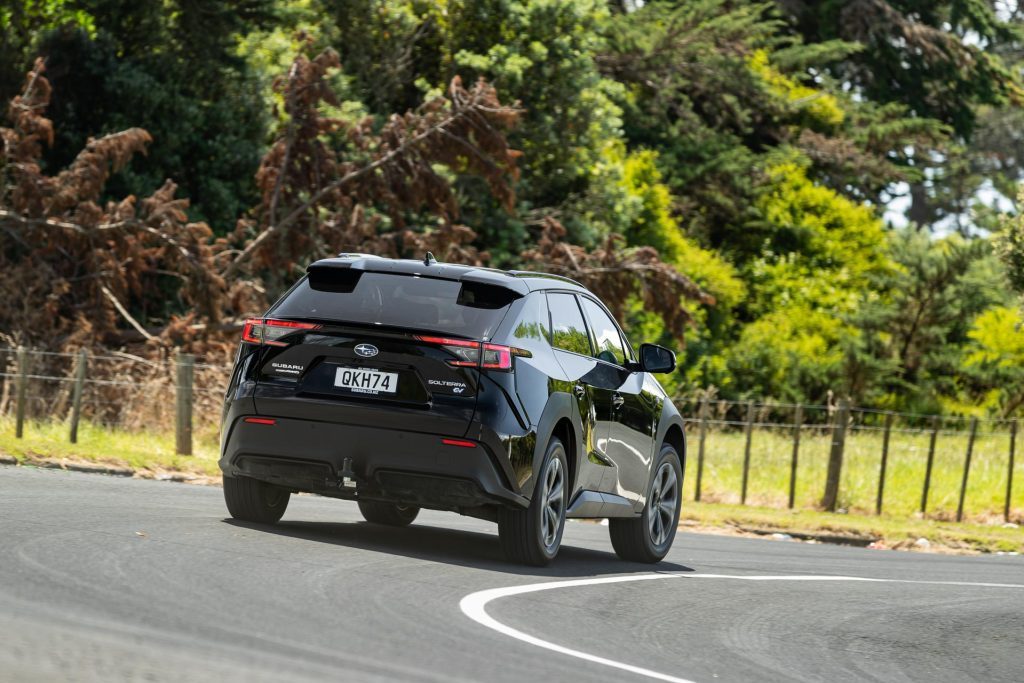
(967, 469)
(1009, 471)
(183, 403)
(19, 424)
(798, 419)
(700, 445)
(835, 457)
(928, 466)
(885, 461)
(76, 394)
(749, 429)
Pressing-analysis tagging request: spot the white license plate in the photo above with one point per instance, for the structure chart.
(366, 381)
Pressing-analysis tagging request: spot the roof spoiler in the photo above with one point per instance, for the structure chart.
(376, 264)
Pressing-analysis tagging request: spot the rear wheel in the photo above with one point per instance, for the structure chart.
(252, 500)
(391, 514)
(648, 538)
(534, 535)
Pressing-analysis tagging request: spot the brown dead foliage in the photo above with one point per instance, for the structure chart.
(330, 185)
(137, 279)
(617, 273)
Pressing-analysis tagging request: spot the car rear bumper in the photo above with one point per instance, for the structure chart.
(387, 464)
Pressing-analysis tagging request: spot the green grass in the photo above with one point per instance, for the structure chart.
(97, 443)
(893, 531)
(771, 452)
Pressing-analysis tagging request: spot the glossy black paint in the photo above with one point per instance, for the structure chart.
(612, 416)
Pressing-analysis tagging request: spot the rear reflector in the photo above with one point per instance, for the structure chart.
(462, 443)
(269, 331)
(260, 420)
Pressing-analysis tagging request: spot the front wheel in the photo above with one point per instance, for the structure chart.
(534, 535)
(252, 500)
(648, 538)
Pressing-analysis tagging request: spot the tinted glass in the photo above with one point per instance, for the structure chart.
(464, 309)
(568, 331)
(532, 330)
(609, 341)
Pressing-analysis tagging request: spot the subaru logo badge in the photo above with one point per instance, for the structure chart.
(366, 350)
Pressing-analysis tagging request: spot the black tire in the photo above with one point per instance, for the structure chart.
(534, 535)
(636, 539)
(391, 514)
(252, 500)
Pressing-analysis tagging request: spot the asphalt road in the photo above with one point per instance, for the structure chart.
(110, 579)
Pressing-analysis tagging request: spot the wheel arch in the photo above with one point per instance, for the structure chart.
(561, 420)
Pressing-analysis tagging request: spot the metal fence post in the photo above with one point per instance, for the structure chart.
(19, 424)
(885, 461)
(798, 419)
(183, 403)
(749, 429)
(967, 469)
(1009, 471)
(76, 394)
(928, 466)
(700, 444)
(835, 457)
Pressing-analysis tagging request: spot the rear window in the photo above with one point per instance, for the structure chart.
(466, 309)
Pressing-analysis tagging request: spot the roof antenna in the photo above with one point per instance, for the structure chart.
(429, 259)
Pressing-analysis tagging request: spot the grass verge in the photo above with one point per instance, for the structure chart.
(144, 452)
(891, 532)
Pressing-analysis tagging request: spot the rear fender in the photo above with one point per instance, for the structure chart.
(560, 405)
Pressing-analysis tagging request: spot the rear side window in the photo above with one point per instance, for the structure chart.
(568, 331)
(532, 330)
(609, 341)
(465, 309)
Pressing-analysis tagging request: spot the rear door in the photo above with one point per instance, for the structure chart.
(378, 349)
(571, 343)
(630, 425)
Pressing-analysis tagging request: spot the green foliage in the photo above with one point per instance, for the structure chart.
(792, 353)
(1010, 245)
(753, 145)
(816, 246)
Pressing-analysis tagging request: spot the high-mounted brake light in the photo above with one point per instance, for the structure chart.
(475, 354)
(269, 331)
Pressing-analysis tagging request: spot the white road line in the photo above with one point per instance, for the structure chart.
(474, 606)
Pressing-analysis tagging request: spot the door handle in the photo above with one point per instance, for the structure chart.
(580, 390)
(617, 400)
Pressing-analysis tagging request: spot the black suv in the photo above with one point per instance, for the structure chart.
(509, 396)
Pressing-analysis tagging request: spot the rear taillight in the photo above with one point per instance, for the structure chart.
(269, 331)
(474, 354)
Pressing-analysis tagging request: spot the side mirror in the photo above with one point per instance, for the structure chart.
(654, 358)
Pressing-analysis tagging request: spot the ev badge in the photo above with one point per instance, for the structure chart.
(366, 350)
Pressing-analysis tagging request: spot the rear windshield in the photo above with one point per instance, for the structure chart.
(465, 309)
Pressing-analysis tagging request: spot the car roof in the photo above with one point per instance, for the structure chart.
(520, 281)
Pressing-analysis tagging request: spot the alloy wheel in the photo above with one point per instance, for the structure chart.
(662, 504)
(553, 497)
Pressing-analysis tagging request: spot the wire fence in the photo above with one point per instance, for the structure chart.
(118, 391)
(842, 457)
(834, 456)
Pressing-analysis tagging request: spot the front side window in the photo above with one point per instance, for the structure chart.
(609, 341)
(568, 331)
